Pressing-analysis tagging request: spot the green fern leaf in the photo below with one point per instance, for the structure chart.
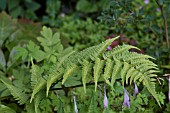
(40, 95)
(17, 93)
(108, 70)
(133, 75)
(124, 70)
(90, 53)
(114, 64)
(35, 74)
(130, 73)
(151, 88)
(92, 105)
(51, 79)
(97, 70)
(116, 71)
(118, 50)
(41, 82)
(76, 58)
(57, 70)
(30, 107)
(86, 68)
(6, 109)
(68, 72)
(141, 61)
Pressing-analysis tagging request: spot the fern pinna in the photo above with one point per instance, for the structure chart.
(93, 64)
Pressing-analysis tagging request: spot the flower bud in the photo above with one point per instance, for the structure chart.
(126, 101)
(75, 105)
(105, 101)
(136, 91)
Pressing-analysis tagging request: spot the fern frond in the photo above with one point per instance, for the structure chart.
(108, 70)
(53, 76)
(141, 61)
(86, 68)
(77, 58)
(124, 70)
(40, 95)
(17, 93)
(69, 71)
(130, 73)
(118, 50)
(91, 53)
(112, 65)
(146, 67)
(29, 107)
(37, 82)
(134, 56)
(97, 70)
(39, 86)
(116, 71)
(35, 74)
(92, 107)
(57, 70)
(151, 88)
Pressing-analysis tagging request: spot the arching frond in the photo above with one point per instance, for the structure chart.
(40, 95)
(69, 71)
(108, 70)
(17, 93)
(95, 62)
(118, 50)
(39, 85)
(98, 66)
(77, 58)
(86, 68)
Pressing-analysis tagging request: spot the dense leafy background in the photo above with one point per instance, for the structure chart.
(80, 24)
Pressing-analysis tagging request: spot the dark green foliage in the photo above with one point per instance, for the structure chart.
(15, 9)
(82, 33)
(39, 74)
(70, 68)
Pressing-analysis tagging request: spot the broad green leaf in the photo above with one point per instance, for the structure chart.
(51, 42)
(21, 52)
(2, 60)
(3, 4)
(7, 26)
(6, 109)
(86, 6)
(12, 4)
(17, 93)
(35, 52)
(33, 6)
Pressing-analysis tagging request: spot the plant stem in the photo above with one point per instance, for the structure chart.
(165, 23)
(165, 27)
(81, 85)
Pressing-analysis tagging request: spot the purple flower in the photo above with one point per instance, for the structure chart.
(75, 105)
(136, 90)
(146, 1)
(132, 13)
(126, 101)
(105, 101)
(158, 10)
(140, 7)
(109, 48)
(62, 15)
(169, 88)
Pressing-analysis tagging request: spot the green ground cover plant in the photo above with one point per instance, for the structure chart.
(70, 57)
